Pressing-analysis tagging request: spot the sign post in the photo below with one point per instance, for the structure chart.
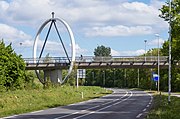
(81, 73)
(155, 78)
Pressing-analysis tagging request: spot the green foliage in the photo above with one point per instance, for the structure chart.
(12, 69)
(122, 78)
(21, 101)
(177, 83)
(163, 110)
(175, 26)
(31, 82)
(175, 41)
(102, 51)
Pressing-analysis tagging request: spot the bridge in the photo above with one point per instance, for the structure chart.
(91, 62)
(53, 66)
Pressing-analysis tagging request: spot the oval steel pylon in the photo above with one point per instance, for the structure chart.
(70, 33)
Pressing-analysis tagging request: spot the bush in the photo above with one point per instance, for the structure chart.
(177, 83)
(12, 69)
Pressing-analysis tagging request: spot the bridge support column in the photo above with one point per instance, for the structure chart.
(54, 75)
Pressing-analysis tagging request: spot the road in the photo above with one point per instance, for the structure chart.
(122, 104)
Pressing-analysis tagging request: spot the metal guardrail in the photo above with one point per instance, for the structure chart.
(97, 59)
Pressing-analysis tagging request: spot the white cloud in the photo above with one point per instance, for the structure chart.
(89, 17)
(114, 53)
(11, 34)
(157, 3)
(3, 5)
(127, 53)
(119, 30)
(82, 11)
(155, 42)
(132, 53)
(79, 50)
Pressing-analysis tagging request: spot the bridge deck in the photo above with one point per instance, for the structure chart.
(97, 62)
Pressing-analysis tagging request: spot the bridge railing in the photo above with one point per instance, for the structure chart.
(47, 60)
(96, 59)
(121, 58)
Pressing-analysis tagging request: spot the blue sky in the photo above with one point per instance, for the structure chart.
(122, 25)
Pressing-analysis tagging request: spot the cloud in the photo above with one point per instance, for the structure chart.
(11, 34)
(87, 17)
(119, 30)
(79, 50)
(84, 12)
(157, 3)
(4, 5)
(114, 53)
(127, 53)
(155, 42)
(132, 53)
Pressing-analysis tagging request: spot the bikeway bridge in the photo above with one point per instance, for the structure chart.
(92, 62)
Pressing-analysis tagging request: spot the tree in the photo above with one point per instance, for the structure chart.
(175, 41)
(175, 26)
(102, 51)
(12, 68)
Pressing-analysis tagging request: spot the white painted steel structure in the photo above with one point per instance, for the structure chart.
(36, 60)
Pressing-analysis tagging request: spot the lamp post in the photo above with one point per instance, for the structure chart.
(114, 72)
(157, 35)
(138, 77)
(104, 78)
(169, 81)
(145, 41)
(93, 75)
(20, 48)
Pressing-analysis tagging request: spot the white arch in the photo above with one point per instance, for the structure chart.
(73, 53)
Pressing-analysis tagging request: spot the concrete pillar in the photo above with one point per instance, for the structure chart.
(54, 75)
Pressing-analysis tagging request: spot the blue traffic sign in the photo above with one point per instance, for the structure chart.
(155, 77)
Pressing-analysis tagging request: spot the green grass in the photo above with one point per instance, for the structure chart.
(163, 110)
(22, 101)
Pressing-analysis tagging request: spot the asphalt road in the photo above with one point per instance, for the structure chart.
(122, 104)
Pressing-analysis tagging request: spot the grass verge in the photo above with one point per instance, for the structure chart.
(163, 110)
(22, 101)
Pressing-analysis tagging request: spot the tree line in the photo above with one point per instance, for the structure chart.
(128, 77)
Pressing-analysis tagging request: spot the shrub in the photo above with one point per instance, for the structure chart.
(12, 68)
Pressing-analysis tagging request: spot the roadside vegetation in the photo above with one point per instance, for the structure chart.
(12, 69)
(20, 90)
(162, 109)
(21, 101)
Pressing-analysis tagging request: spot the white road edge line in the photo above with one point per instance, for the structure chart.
(89, 108)
(37, 111)
(102, 108)
(9, 117)
(144, 110)
(139, 115)
(13, 116)
(75, 112)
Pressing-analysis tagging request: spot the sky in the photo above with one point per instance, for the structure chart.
(122, 25)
